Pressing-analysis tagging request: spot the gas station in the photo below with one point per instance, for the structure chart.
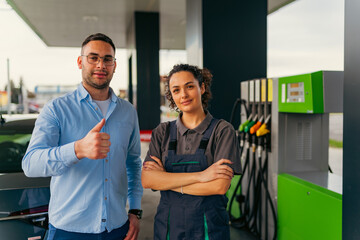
(287, 190)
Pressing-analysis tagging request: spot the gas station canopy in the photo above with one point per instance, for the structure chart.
(66, 23)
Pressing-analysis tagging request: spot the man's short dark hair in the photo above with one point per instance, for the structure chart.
(98, 37)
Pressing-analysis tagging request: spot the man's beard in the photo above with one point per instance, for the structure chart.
(91, 83)
(97, 86)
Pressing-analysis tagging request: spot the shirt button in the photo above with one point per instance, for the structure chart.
(106, 160)
(187, 148)
(106, 179)
(96, 109)
(105, 198)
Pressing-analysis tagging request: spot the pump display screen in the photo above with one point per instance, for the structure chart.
(295, 92)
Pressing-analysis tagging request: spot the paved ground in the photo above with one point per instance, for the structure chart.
(336, 126)
(336, 133)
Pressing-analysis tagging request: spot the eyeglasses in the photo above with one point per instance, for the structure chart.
(94, 59)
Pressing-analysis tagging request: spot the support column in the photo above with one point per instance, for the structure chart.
(351, 154)
(144, 45)
(233, 44)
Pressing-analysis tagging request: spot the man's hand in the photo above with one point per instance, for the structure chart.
(95, 145)
(134, 228)
(216, 171)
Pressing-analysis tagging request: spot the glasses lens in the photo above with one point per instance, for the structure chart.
(92, 59)
(109, 61)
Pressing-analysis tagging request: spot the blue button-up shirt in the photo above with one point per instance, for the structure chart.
(87, 196)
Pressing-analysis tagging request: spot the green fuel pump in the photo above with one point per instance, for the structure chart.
(305, 187)
(285, 191)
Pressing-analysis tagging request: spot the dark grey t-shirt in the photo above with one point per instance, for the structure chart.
(222, 143)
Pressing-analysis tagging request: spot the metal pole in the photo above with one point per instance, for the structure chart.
(9, 87)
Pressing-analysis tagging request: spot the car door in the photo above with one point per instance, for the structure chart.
(23, 201)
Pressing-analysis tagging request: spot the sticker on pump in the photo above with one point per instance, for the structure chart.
(283, 92)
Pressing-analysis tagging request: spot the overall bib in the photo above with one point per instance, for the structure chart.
(183, 216)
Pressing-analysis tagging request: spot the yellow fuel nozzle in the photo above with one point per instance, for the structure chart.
(262, 130)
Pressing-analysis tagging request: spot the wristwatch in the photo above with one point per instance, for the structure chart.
(136, 212)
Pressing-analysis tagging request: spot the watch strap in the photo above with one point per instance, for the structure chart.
(136, 212)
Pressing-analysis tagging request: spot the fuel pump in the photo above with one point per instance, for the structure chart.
(236, 197)
(286, 190)
(251, 191)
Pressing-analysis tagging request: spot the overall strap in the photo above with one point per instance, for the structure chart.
(205, 139)
(173, 138)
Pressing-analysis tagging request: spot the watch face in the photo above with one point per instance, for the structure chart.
(136, 212)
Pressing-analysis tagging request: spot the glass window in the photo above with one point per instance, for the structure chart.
(14, 139)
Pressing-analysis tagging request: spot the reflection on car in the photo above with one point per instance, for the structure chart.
(23, 201)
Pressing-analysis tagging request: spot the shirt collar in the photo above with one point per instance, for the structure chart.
(83, 94)
(201, 128)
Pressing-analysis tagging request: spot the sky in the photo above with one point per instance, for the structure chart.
(304, 36)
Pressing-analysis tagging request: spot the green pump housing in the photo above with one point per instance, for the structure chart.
(309, 198)
(317, 92)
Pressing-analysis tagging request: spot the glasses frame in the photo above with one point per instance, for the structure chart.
(103, 58)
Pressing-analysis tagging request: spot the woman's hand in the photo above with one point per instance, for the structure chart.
(151, 165)
(216, 171)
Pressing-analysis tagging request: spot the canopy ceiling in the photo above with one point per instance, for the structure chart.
(66, 23)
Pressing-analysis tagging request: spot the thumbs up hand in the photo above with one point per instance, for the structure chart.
(95, 145)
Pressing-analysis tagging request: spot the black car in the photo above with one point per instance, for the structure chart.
(23, 201)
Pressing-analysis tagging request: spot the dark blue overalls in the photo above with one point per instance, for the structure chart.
(183, 216)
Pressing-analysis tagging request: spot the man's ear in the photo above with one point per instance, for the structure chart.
(79, 62)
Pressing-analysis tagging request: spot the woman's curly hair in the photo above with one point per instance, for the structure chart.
(203, 76)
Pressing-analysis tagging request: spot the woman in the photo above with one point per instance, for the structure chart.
(191, 161)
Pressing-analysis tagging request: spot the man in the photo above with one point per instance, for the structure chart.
(88, 142)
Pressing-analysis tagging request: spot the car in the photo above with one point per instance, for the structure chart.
(23, 201)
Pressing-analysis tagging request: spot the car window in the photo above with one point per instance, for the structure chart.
(14, 139)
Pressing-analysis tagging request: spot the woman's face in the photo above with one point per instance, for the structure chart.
(186, 92)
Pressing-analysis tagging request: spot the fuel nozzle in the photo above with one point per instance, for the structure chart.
(263, 130)
(254, 128)
(243, 125)
(250, 124)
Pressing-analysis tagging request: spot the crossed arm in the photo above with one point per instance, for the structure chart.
(214, 180)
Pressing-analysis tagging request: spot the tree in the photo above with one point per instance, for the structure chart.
(15, 92)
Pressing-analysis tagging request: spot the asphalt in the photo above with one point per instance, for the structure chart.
(336, 126)
(336, 133)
